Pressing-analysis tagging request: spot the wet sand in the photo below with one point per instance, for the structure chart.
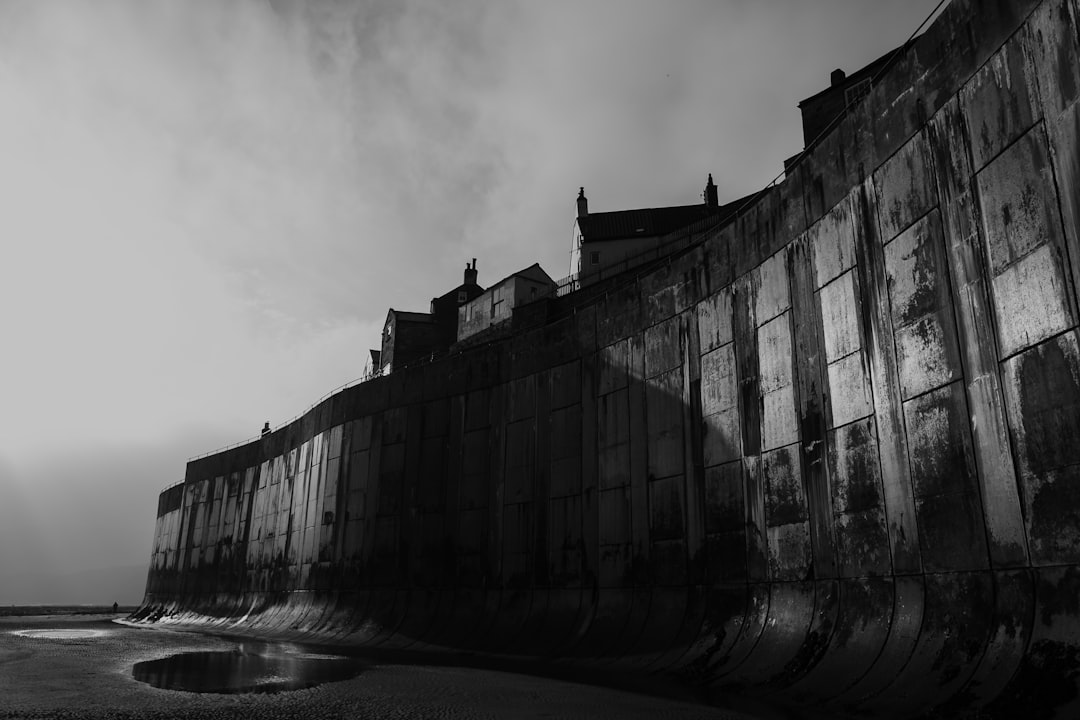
(89, 675)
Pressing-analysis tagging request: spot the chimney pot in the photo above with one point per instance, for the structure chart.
(838, 77)
(582, 204)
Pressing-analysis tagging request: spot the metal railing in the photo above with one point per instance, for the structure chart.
(356, 381)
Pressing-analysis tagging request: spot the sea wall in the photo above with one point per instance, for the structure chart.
(831, 452)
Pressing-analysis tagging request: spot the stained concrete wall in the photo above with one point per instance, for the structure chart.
(830, 452)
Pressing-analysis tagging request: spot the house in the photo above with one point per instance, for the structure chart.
(821, 109)
(497, 303)
(374, 363)
(406, 338)
(411, 336)
(445, 308)
(611, 242)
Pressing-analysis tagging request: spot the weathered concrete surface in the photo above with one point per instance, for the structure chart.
(830, 453)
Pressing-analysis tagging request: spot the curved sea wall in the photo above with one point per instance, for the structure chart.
(831, 451)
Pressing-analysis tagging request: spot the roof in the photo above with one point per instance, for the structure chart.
(411, 316)
(623, 224)
(867, 71)
(534, 272)
(467, 287)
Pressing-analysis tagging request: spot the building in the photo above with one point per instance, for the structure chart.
(406, 338)
(497, 303)
(822, 108)
(445, 308)
(611, 242)
(411, 336)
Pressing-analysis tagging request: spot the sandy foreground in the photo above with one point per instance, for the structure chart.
(91, 677)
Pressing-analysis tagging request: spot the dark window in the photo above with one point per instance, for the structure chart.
(857, 92)
(594, 257)
(461, 296)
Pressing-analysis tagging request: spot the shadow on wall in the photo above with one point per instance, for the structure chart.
(826, 453)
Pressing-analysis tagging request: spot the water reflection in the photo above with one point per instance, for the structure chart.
(246, 669)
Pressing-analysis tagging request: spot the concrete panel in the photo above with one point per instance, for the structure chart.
(1045, 682)
(615, 516)
(475, 469)
(664, 421)
(774, 343)
(667, 508)
(922, 315)
(662, 347)
(786, 514)
(785, 498)
(997, 104)
(564, 554)
(862, 541)
(719, 380)
(1022, 226)
(773, 294)
(725, 506)
(779, 424)
(833, 244)
(721, 437)
(840, 317)
(1030, 301)
(746, 360)
(614, 363)
(849, 389)
(520, 461)
(391, 477)
(854, 468)
(904, 187)
(789, 551)
(943, 470)
(1042, 394)
(566, 442)
(714, 318)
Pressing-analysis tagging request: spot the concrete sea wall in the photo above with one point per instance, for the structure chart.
(831, 452)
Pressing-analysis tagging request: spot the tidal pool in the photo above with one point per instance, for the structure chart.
(60, 634)
(245, 671)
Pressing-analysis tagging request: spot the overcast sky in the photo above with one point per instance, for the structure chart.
(208, 207)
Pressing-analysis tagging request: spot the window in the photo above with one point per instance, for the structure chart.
(857, 92)
(461, 296)
(594, 257)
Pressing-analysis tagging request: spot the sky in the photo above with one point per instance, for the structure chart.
(208, 207)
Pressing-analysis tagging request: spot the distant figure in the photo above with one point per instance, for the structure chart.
(115, 608)
(266, 429)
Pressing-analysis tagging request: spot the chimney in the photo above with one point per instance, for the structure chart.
(711, 200)
(470, 273)
(582, 204)
(838, 77)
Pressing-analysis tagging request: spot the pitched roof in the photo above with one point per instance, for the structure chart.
(622, 224)
(404, 315)
(533, 272)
